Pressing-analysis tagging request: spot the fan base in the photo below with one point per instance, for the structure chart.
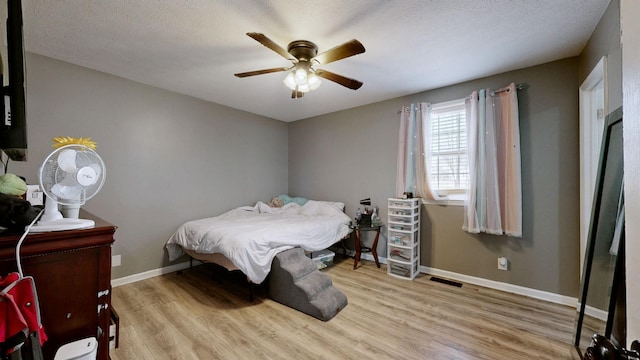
(62, 224)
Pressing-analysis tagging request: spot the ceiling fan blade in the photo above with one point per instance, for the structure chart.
(296, 94)
(262, 39)
(350, 48)
(260, 72)
(342, 80)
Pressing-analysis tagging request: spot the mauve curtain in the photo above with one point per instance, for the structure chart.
(413, 152)
(494, 201)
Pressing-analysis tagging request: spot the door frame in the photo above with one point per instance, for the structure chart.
(593, 110)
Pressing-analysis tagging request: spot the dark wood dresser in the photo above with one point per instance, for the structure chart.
(72, 272)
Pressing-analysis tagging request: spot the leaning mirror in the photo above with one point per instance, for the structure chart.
(596, 302)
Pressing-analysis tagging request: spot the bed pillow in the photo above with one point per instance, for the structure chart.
(315, 208)
(297, 200)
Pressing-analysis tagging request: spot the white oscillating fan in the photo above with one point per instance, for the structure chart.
(69, 176)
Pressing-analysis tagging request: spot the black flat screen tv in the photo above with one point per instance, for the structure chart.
(13, 128)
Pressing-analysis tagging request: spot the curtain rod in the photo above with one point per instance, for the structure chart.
(520, 86)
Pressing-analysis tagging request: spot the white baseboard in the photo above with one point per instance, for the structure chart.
(366, 256)
(520, 290)
(149, 274)
(184, 265)
(516, 289)
(496, 285)
(601, 315)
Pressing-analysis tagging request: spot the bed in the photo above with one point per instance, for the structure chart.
(247, 238)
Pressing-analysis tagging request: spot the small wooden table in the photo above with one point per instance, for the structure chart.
(357, 238)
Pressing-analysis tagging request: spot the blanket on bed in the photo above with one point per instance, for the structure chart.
(251, 236)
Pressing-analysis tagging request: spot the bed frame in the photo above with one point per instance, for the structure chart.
(215, 258)
(220, 260)
(224, 262)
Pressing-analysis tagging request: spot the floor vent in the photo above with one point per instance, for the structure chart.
(445, 281)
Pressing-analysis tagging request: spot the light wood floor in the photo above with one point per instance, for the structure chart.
(192, 316)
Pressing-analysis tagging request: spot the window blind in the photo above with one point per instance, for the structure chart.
(448, 145)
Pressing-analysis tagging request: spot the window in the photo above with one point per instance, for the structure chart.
(448, 147)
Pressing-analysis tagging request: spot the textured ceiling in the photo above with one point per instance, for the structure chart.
(194, 47)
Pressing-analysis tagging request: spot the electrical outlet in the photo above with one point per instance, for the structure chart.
(503, 263)
(116, 261)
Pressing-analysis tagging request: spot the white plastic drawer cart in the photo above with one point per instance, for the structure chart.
(403, 240)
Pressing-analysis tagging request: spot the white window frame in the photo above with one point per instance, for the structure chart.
(453, 196)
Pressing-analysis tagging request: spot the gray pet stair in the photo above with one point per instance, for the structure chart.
(295, 281)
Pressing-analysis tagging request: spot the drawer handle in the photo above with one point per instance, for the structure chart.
(103, 293)
(102, 307)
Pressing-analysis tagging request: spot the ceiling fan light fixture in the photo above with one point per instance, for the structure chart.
(301, 76)
(290, 81)
(314, 81)
(304, 88)
(304, 55)
(302, 79)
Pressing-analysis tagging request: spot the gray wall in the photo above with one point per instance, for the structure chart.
(170, 158)
(351, 154)
(605, 41)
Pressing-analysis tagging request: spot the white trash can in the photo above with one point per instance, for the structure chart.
(85, 349)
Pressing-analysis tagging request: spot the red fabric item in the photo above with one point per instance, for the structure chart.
(8, 280)
(21, 307)
(12, 320)
(24, 295)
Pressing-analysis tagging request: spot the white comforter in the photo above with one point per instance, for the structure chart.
(251, 236)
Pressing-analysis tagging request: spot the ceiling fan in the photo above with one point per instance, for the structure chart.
(304, 77)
